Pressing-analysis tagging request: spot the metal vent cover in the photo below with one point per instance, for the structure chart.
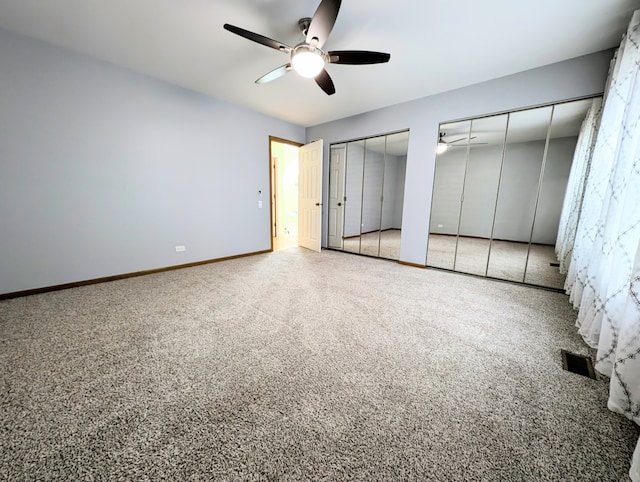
(580, 364)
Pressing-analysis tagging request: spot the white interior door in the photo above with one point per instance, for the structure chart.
(310, 196)
(336, 196)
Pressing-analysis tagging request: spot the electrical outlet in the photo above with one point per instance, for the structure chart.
(180, 248)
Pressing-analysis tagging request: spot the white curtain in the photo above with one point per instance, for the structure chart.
(596, 185)
(624, 390)
(574, 196)
(603, 277)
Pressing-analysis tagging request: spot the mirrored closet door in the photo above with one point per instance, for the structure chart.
(366, 195)
(498, 190)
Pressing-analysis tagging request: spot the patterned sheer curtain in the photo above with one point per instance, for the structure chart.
(575, 185)
(603, 277)
(624, 391)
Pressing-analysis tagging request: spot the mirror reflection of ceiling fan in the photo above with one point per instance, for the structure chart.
(444, 144)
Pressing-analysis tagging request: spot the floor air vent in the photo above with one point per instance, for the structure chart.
(580, 364)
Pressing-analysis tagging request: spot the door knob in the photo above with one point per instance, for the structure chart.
(318, 204)
(339, 204)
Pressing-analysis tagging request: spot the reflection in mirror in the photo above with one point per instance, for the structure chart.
(366, 195)
(517, 193)
(373, 179)
(506, 189)
(447, 194)
(542, 264)
(480, 193)
(337, 169)
(353, 196)
(395, 167)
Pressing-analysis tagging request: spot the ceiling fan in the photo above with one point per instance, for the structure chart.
(443, 145)
(307, 58)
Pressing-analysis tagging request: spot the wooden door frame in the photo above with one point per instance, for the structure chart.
(279, 140)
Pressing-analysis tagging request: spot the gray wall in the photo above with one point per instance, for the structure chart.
(353, 189)
(372, 190)
(398, 201)
(382, 176)
(579, 77)
(388, 191)
(481, 188)
(553, 189)
(447, 189)
(104, 172)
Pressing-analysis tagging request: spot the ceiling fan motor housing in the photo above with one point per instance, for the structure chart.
(304, 23)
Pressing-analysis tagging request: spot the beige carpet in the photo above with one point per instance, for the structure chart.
(297, 365)
(507, 259)
(389, 242)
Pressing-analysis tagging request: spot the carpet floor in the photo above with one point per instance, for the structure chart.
(504, 260)
(383, 244)
(297, 365)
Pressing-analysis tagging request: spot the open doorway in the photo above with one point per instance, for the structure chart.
(283, 155)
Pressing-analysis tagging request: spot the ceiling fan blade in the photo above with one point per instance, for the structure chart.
(470, 144)
(457, 140)
(323, 21)
(357, 57)
(325, 82)
(274, 74)
(261, 39)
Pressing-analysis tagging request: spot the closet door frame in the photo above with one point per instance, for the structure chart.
(364, 140)
(538, 191)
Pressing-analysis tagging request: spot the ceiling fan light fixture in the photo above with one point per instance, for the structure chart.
(307, 61)
(441, 147)
(307, 58)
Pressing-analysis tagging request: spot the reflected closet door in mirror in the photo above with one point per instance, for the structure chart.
(337, 172)
(353, 196)
(486, 148)
(542, 265)
(517, 193)
(446, 201)
(393, 194)
(373, 181)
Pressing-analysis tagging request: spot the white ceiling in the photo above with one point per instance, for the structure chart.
(435, 46)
